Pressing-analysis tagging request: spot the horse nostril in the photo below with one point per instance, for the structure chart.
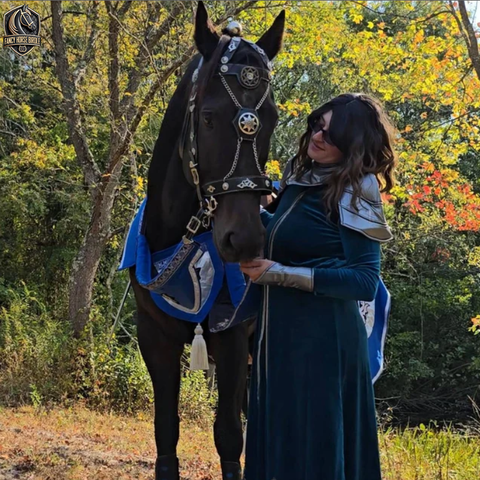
(229, 240)
(248, 246)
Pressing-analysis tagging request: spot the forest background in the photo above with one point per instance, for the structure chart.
(79, 117)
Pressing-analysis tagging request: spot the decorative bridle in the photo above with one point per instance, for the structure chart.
(247, 125)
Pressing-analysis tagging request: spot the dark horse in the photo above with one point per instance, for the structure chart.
(185, 169)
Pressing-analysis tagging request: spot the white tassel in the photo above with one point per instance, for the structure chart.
(199, 354)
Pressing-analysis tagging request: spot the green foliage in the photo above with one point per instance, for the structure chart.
(41, 364)
(432, 357)
(197, 398)
(35, 353)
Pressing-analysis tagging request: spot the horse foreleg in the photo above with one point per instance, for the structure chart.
(162, 357)
(230, 351)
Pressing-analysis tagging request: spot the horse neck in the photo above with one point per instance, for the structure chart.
(171, 199)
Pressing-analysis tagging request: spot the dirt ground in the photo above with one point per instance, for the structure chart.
(79, 444)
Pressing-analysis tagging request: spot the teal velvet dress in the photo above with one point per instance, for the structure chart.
(311, 409)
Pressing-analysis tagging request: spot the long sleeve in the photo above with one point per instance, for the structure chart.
(359, 278)
(356, 279)
(265, 217)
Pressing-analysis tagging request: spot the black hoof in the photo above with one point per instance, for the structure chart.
(166, 468)
(231, 471)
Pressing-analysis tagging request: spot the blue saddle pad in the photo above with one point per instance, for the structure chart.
(198, 286)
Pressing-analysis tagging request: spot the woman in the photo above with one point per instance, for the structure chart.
(312, 412)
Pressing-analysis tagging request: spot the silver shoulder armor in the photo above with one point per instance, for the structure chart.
(370, 219)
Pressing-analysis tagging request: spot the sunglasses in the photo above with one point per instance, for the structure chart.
(316, 126)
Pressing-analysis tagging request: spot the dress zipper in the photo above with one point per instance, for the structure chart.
(264, 323)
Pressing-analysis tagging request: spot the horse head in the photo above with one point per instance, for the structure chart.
(27, 19)
(233, 115)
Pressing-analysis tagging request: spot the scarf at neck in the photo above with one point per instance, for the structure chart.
(317, 175)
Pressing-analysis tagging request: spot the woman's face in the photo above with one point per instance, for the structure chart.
(321, 148)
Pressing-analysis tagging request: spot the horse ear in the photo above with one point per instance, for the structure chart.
(271, 40)
(205, 36)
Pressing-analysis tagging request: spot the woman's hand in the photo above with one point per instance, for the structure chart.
(254, 268)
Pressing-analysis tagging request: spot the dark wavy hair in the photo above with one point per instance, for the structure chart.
(362, 131)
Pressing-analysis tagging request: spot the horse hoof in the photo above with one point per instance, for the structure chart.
(231, 471)
(166, 468)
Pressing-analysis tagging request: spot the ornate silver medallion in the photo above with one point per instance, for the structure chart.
(248, 123)
(249, 77)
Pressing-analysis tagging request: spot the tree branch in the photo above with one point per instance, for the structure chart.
(460, 25)
(132, 128)
(89, 53)
(65, 12)
(113, 72)
(472, 44)
(135, 114)
(244, 6)
(70, 102)
(124, 9)
(146, 47)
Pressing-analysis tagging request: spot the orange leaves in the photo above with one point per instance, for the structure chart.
(441, 194)
(419, 37)
(428, 167)
(387, 198)
(420, 68)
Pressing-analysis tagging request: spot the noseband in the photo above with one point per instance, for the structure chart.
(247, 125)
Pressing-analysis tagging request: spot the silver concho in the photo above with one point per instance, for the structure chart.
(249, 77)
(248, 123)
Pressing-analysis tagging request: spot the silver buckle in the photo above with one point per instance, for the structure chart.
(193, 225)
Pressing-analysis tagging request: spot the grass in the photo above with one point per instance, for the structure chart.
(78, 444)
(430, 454)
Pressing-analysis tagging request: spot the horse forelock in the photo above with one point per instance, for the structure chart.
(207, 72)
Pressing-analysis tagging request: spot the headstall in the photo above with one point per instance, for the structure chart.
(247, 125)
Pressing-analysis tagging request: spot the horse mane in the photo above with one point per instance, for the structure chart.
(170, 129)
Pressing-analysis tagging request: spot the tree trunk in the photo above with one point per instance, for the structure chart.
(468, 33)
(125, 117)
(86, 263)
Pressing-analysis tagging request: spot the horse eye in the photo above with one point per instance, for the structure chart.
(208, 119)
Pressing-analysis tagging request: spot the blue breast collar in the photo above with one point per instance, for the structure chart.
(198, 285)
